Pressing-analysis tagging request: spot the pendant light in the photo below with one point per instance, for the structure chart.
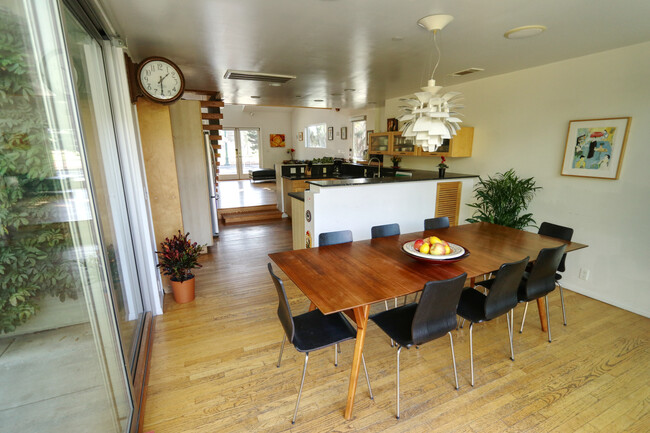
(431, 116)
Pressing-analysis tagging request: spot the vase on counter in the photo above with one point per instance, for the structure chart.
(441, 173)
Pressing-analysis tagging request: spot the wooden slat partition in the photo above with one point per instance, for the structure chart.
(448, 201)
(211, 116)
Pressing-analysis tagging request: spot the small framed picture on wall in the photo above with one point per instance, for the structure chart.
(300, 136)
(330, 133)
(344, 133)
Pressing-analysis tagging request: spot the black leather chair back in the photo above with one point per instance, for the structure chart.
(502, 296)
(556, 231)
(436, 223)
(384, 230)
(284, 311)
(333, 238)
(435, 314)
(541, 280)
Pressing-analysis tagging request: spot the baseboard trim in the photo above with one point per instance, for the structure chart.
(608, 300)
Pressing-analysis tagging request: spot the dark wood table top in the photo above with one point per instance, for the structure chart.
(341, 277)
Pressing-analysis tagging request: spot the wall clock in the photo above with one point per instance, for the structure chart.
(160, 80)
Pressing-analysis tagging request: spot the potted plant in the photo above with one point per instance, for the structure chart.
(178, 256)
(442, 167)
(396, 160)
(502, 199)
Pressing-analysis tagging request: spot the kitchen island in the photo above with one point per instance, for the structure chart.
(357, 204)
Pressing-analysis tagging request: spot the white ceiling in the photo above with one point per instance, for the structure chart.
(333, 45)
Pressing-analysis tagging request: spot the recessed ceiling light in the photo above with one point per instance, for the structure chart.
(255, 97)
(524, 32)
(298, 96)
(349, 90)
(318, 100)
(275, 84)
(336, 94)
(397, 38)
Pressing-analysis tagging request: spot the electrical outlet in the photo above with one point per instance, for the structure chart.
(584, 274)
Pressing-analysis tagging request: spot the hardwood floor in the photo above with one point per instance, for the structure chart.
(243, 193)
(213, 364)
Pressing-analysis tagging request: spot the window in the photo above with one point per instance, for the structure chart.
(359, 143)
(316, 135)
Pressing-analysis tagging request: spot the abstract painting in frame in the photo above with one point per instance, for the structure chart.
(277, 140)
(595, 147)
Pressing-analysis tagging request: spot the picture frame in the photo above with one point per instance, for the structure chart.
(595, 147)
(344, 133)
(330, 133)
(391, 125)
(300, 136)
(277, 140)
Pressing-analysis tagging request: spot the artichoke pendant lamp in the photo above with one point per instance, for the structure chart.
(432, 116)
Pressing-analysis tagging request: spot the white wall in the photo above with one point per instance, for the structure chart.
(521, 122)
(270, 120)
(303, 117)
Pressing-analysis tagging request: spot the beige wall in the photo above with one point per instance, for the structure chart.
(160, 166)
(521, 121)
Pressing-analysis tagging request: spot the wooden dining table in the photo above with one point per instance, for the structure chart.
(350, 277)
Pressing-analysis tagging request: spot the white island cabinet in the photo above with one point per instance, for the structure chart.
(341, 205)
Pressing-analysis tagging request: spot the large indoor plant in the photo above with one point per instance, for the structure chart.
(177, 257)
(503, 199)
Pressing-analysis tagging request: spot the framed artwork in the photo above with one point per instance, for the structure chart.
(277, 140)
(595, 147)
(391, 125)
(300, 136)
(330, 133)
(344, 133)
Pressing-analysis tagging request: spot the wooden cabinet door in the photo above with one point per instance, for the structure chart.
(448, 201)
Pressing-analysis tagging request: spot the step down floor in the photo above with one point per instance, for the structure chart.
(249, 214)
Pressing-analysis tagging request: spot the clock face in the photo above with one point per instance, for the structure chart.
(161, 80)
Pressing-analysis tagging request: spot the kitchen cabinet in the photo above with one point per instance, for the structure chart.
(448, 201)
(459, 146)
(390, 143)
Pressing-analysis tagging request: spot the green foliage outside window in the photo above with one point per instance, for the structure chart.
(36, 257)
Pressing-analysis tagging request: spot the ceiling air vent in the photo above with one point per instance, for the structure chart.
(466, 72)
(257, 76)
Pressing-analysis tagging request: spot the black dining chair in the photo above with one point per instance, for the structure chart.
(540, 281)
(559, 232)
(501, 298)
(381, 232)
(436, 223)
(312, 331)
(432, 317)
(333, 238)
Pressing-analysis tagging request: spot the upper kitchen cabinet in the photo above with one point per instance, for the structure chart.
(459, 146)
(390, 143)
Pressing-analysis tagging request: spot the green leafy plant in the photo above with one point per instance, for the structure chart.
(503, 199)
(443, 163)
(35, 258)
(178, 256)
(395, 159)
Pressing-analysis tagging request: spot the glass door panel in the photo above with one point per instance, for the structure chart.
(228, 156)
(249, 140)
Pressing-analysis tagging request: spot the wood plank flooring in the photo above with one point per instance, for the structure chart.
(213, 364)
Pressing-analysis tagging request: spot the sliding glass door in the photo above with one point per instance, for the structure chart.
(70, 301)
(240, 153)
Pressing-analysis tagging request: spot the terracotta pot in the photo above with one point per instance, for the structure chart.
(183, 290)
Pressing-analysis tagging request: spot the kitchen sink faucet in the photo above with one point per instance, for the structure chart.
(378, 166)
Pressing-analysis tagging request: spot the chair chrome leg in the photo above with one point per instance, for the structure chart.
(548, 320)
(562, 299)
(399, 349)
(471, 352)
(284, 338)
(302, 382)
(523, 319)
(453, 357)
(510, 319)
(336, 355)
(392, 343)
(363, 360)
(462, 323)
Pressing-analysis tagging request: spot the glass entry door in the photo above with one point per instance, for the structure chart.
(240, 153)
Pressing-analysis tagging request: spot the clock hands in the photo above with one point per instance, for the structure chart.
(162, 92)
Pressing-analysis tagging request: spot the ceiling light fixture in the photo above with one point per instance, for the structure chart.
(524, 32)
(430, 117)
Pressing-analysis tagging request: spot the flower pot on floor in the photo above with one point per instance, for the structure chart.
(183, 290)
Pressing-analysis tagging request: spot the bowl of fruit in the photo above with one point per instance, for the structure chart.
(434, 250)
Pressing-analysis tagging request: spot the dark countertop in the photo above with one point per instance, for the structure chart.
(304, 176)
(418, 175)
(298, 195)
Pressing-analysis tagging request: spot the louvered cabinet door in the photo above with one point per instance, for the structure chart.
(448, 201)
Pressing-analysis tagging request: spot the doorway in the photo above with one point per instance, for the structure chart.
(240, 153)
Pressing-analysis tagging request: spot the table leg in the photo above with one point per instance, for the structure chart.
(542, 314)
(312, 306)
(361, 317)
